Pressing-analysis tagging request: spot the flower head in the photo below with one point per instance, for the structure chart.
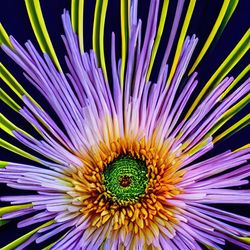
(123, 169)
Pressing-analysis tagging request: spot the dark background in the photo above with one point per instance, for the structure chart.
(14, 18)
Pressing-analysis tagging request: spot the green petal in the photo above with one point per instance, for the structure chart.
(77, 9)
(16, 87)
(161, 26)
(181, 39)
(3, 164)
(8, 209)
(8, 126)
(40, 30)
(245, 121)
(234, 83)
(17, 150)
(98, 33)
(9, 101)
(233, 58)
(124, 18)
(25, 237)
(4, 37)
(226, 5)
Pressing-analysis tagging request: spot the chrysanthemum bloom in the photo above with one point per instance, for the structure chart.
(123, 169)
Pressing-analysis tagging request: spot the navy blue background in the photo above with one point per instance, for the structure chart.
(14, 18)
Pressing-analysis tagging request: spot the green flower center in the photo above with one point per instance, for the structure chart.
(126, 179)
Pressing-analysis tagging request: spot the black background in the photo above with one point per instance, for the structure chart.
(14, 18)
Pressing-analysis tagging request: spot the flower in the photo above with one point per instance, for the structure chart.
(123, 171)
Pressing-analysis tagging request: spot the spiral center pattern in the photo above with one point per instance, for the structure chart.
(126, 178)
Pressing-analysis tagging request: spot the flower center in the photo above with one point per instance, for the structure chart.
(126, 179)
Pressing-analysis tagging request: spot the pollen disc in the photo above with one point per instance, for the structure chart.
(126, 179)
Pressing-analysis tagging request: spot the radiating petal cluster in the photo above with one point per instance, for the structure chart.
(130, 119)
